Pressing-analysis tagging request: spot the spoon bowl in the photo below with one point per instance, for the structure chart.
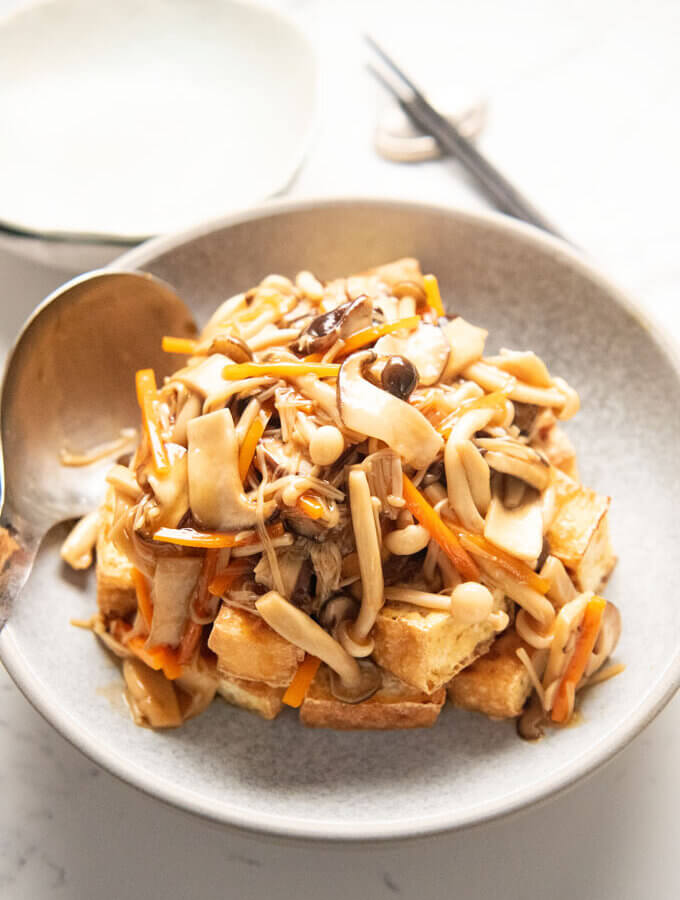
(69, 385)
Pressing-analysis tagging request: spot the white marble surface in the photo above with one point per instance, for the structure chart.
(583, 115)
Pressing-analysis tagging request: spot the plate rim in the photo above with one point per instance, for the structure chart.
(15, 230)
(285, 826)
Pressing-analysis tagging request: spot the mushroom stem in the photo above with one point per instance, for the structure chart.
(300, 629)
(368, 550)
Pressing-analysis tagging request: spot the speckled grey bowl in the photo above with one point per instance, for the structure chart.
(279, 778)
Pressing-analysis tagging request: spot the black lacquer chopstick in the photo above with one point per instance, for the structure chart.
(494, 185)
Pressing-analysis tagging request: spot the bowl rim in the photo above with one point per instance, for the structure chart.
(273, 825)
(118, 242)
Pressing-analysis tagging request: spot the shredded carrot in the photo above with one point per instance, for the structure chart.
(190, 639)
(434, 297)
(590, 627)
(489, 401)
(253, 435)
(418, 506)
(234, 371)
(223, 581)
(297, 689)
(161, 658)
(515, 567)
(213, 540)
(179, 345)
(313, 358)
(311, 506)
(143, 596)
(371, 335)
(145, 381)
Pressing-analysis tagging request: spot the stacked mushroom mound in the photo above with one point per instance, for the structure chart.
(340, 504)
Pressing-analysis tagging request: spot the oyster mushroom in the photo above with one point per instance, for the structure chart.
(514, 458)
(151, 696)
(517, 530)
(215, 489)
(368, 549)
(300, 629)
(369, 410)
(466, 342)
(334, 325)
(427, 348)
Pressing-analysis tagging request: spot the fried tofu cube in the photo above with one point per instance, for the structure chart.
(579, 533)
(497, 684)
(255, 696)
(426, 648)
(394, 705)
(247, 648)
(116, 595)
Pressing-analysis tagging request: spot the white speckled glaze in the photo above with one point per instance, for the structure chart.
(279, 778)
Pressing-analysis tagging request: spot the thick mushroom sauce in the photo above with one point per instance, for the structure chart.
(341, 502)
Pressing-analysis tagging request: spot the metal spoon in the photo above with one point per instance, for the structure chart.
(69, 383)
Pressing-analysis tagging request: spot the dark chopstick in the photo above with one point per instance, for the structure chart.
(495, 186)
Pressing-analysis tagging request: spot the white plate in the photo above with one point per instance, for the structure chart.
(141, 117)
(531, 291)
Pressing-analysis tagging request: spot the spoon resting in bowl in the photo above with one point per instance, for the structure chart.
(69, 383)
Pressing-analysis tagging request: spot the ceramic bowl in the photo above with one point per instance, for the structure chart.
(280, 778)
(140, 118)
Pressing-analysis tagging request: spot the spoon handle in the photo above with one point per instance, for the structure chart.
(17, 554)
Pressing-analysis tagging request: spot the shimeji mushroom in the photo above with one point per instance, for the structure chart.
(514, 458)
(607, 639)
(215, 488)
(338, 323)
(300, 629)
(369, 410)
(427, 349)
(370, 561)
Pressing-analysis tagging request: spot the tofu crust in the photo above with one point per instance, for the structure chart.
(498, 683)
(247, 648)
(116, 597)
(426, 648)
(252, 695)
(395, 705)
(579, 533)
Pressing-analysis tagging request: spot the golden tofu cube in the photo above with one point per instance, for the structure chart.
(252, 695)
(579, 533)
(116, 595)
(394, 705)
(247, 648)
(497, 684)
(426, 648)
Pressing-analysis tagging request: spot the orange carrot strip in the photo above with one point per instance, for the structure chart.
(313, 358)
(145, 382)
(212, 540)
(161, 658)
(223, 581)
(371, 335)
(515, 567)
(297, 689)
(434, 297)
(590, 627)
(441, 533)
(253, 435)
(143, 596)
(310, 506)
(495, 399)
(179, 345)
(234, 371)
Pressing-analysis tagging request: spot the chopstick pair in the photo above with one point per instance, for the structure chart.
(495, 186)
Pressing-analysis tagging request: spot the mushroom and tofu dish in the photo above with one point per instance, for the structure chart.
(342, 503)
